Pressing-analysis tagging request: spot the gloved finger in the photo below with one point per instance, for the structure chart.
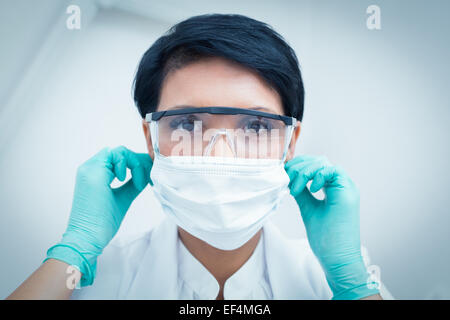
(305, 200)
(139, 176)
(119, 165)
(337, 185)
(139, 165)
(107, 158)
(293, 170)
(117, 162)
(303, 160)
(102, 155)
(335, 176)
(323, 176)
(94, 167)
(147, 163)
(299, 159)
(304, 174)
(125, 195)
(306, 163)
(301, 194)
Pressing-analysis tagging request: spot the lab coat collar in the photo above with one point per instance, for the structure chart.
(288, 280)
(239, 285)
(157, 274)
(242, 283)
(196, 275)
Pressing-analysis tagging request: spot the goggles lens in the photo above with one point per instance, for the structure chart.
(240, 135)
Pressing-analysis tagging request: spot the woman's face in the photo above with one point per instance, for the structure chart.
(218, 82)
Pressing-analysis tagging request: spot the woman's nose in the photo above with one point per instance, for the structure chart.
(220, 147)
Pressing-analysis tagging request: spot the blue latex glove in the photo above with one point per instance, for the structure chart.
(332, 224)
(97, 209)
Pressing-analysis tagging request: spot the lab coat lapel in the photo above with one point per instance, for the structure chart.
(157, 274)
(284, 267)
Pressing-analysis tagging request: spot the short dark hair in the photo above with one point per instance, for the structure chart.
(238, 38)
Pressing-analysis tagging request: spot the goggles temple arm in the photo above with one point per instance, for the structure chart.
(289, 134)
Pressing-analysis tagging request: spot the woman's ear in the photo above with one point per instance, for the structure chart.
(295, 135)
(148, 139)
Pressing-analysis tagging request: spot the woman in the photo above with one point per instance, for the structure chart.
(221, 97)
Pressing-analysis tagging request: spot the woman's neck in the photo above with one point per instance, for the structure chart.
(222, 264)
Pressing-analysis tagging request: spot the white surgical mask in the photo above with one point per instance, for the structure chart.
(223, 201)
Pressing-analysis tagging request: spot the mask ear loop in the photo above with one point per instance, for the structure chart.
(230, 141)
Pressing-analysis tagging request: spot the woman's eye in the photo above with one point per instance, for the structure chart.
(184, 123)
(258, 125)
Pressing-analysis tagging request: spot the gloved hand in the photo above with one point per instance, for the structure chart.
(97, 209)
(332, 224)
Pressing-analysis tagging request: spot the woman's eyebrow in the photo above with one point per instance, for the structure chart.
(181, 106)
(262, 108)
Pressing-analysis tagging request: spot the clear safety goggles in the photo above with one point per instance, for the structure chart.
(220, 132)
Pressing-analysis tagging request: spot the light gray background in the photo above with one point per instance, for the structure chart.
(376, 104)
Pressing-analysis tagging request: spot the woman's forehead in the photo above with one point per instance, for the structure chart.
(218, 82)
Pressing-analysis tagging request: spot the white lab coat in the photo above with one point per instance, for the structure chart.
(145, 267)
